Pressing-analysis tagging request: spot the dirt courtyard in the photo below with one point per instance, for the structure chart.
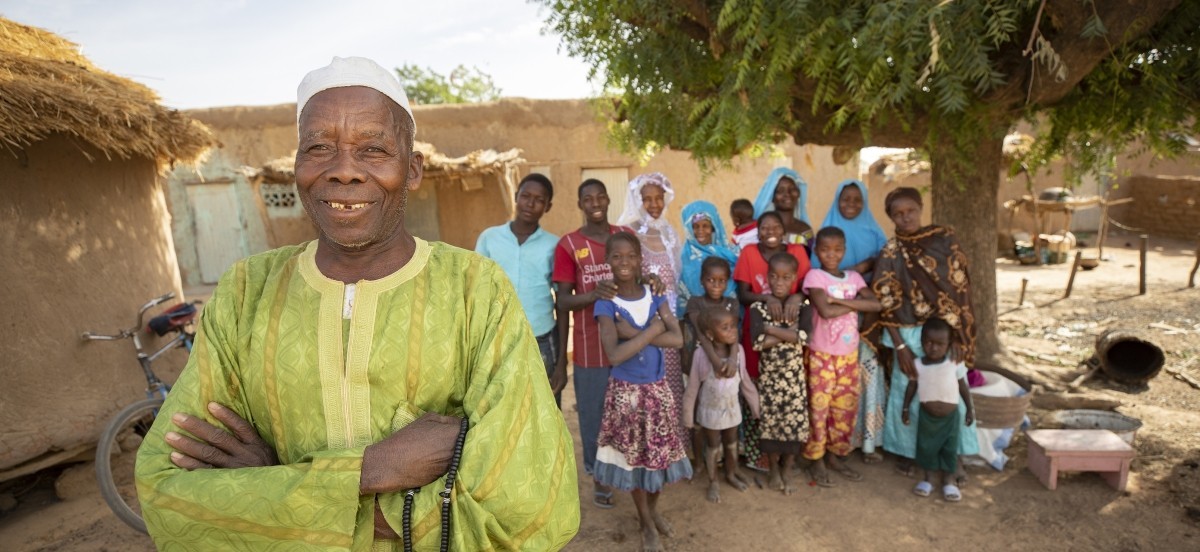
(1001, 510)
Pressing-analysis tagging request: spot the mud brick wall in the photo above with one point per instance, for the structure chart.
(1166, 206)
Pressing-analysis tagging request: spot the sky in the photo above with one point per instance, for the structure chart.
(213, 53)
(210, 53)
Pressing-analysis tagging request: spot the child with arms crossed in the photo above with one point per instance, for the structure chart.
(640, 449)
(784, 399)
(939, 379)
(832, 357)
(711, 399)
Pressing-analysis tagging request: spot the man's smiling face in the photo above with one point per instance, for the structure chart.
(354, 167)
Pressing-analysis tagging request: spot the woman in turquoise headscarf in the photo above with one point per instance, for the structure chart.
(864, 239)
(787, 193)
(703, 216)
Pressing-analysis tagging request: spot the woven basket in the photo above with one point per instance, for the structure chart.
(1001, 412)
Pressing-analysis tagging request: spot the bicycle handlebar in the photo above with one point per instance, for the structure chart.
(137, 327)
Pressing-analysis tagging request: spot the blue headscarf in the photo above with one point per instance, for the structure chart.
(864, 237)
(766, 196)
(694, 253)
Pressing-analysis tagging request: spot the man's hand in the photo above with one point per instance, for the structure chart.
(904, 416)
(970, 415)
(657, 286)
(605, 289)
(214, 447)
(411, 458)
(558, 381)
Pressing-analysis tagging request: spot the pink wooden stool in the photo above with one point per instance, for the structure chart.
(1095, 450)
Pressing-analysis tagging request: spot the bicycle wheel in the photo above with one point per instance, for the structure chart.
(115, 456)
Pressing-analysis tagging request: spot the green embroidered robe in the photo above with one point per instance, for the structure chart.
(444, 334)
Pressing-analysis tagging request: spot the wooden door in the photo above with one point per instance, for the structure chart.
(220, 228)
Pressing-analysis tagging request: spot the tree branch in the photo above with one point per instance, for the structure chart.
(698, 12)
(693, 22)
(883, 131)
(1063, 25)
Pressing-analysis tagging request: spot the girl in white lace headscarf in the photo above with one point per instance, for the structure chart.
(646, 201)
(653, 229)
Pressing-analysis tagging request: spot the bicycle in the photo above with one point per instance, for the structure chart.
(124, 433)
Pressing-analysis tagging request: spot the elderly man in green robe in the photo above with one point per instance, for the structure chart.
(330, 378)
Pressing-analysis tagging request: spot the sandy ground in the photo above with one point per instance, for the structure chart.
(1003, 511)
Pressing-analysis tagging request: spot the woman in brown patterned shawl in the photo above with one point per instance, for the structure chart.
(921, 273)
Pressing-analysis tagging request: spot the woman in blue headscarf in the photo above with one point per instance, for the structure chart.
(705, 238)
(787, 193)
(864, 238)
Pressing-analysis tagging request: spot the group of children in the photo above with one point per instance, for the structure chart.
(799, 399)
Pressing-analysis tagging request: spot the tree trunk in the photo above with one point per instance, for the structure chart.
(966, 180)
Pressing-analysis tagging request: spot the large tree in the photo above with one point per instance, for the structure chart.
(952, 77)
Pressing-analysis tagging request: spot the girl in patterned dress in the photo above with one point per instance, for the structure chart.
(752, 278)
(781, 381)
(640, 449)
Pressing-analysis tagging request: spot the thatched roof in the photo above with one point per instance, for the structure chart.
(437, 165)
(478, 162)
(48, 87)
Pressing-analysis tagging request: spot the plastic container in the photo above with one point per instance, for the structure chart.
(1124, 426)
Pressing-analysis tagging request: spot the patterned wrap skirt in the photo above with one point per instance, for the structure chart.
(640, 445)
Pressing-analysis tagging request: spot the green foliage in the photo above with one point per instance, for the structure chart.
(463, 85)
(719, 77)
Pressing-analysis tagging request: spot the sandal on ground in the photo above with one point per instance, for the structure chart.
(603, 499)
(951, 493)
(907, 470)
(872, 458)
(923, 489)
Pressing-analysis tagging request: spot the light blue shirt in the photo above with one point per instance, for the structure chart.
(528, 266)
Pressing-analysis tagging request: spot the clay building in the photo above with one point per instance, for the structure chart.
(242, 199)
(86, 241)
(568, 141)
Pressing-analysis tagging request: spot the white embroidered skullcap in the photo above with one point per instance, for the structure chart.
(352, 71)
